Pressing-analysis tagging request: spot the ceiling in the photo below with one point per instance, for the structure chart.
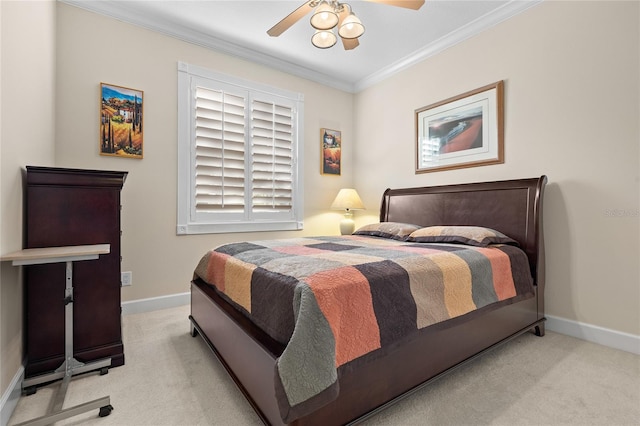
(395, 37)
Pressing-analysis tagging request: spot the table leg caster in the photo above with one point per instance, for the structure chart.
(105, 411)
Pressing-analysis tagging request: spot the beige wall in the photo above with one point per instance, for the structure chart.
(572, 101)
(26, 136)
(162, 263)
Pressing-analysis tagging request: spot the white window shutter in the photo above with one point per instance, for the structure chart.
(272, 157)
(238, 145)
(220, 151)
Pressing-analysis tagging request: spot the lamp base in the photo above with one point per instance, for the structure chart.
(347, 226)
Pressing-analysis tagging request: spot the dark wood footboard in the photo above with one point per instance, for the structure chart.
(251, 362)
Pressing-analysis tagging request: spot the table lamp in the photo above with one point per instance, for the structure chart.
(347, 199)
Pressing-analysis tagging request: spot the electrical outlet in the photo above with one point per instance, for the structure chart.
(126, 278)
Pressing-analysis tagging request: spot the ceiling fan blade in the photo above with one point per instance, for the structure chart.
(408, 4)
(350, 43)
(290, 19)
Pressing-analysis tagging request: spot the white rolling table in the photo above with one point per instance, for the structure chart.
(70, 366)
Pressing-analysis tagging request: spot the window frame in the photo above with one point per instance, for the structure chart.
(188, 222)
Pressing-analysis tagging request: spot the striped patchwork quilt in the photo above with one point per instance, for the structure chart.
(331, 300)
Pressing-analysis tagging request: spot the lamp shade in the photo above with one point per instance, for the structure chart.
(347, 199)
(324, 18)
(323, 39)
(351, 27)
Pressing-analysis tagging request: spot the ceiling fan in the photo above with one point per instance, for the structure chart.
(334, 14)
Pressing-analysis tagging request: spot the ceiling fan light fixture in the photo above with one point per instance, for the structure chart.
(330, 14)
(351, 27)
(324, 17)
(324, 39)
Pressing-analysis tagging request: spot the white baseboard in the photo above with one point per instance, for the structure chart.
(155, 303)
(10, 397)
(592, 333)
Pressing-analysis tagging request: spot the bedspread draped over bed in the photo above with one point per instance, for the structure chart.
(332, 300)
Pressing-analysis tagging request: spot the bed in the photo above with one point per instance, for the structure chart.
(258, 359)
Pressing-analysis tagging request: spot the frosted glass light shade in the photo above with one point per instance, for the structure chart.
(324, 18)
(351, 27)
(323, 39)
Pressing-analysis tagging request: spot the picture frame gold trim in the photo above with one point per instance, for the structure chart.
(462, 131)
(330, 152)
(121, 121)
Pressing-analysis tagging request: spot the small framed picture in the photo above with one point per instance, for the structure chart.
(121, 121)
(331, 145)
(463, 131)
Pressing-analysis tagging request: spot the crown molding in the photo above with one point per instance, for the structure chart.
(115, 10)
(481, 24)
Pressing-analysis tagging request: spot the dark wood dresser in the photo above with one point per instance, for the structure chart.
(65, 207)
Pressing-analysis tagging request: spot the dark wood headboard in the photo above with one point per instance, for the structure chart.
(513, 207)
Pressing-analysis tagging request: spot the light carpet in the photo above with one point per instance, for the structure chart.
(171, 378)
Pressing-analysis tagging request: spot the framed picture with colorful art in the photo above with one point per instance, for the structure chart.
(463, 131)
(331, 145)
(121, 121)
